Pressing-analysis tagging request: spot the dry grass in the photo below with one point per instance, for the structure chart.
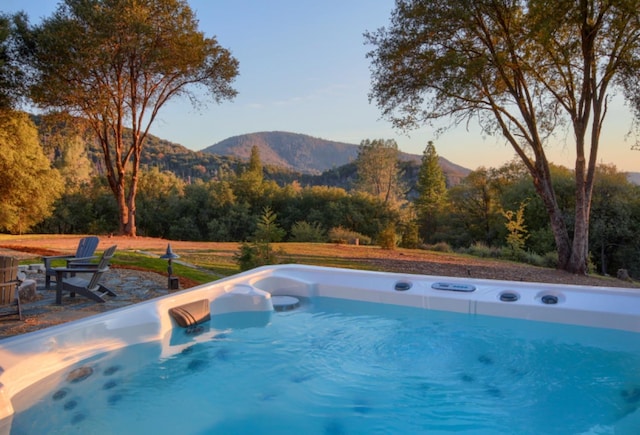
(351, 256)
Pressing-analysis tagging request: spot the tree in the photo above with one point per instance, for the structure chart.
(158, 201)
(28, 186)
(523, 69)
(260, 252)
(475, 205)
(432, 191)
(517, 233)
(614, 227)
(116, 63)
(377, 166)
(255, 163)
(514, 186)
(11, 80)
(64, 142)
(249, 184)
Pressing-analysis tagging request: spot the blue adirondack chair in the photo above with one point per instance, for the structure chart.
(85, 252)
(88, 284)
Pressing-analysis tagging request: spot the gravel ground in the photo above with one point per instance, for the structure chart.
(130, 286)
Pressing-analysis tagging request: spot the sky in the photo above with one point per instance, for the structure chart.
(303, 69)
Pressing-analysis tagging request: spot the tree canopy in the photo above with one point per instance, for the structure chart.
(432, 191)
(11, 83)
(28, 186)
(523, 69)
(116, 63)
(378, 170)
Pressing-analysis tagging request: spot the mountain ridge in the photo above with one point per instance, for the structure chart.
(308, 154)
(294, 151)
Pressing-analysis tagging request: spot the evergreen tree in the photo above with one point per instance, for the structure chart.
(432, 192)
(260, 252)
(255, 163)
(249, 185)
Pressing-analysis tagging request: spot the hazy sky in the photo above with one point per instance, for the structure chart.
(303, 69)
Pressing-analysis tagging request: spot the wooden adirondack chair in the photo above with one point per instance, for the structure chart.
(90, 286)
(9, 282)
(84, 253)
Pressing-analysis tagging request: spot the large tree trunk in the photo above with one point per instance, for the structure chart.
(128, 197)
(584, 189)
(580, 249)
(544, 187)
(130, 227)
(558, 226)
(123, 212)
(126, 215)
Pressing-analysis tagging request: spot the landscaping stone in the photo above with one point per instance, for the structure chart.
(27, 291)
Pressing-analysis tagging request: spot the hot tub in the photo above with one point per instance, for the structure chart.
(33, 365)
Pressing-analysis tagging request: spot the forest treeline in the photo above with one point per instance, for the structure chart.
(492, 212)
(417, 77)
(53, 184)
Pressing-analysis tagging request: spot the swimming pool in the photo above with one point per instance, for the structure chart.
(364, 352)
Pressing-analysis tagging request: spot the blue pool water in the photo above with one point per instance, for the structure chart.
(335, 367)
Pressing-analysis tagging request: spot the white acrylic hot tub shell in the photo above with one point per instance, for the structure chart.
(26, 359)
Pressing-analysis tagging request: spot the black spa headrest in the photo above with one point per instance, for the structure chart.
(192, 313)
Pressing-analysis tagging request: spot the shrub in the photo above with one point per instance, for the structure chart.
(303, 231)
(517, 231)
(439, 247)
(259, 252)
(521, 256)
(550, 259)
(254, 255)
(482, 250)
(343, 236)
(534, 259)
(387, 239)
(410, 236)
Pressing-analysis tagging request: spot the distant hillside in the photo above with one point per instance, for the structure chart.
(634, 177)
(297, 152)
(169, 156)
(310, 155)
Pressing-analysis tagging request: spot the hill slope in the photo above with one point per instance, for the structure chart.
(297, 152)
(309, 155)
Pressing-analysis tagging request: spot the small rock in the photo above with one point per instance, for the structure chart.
(27, 290)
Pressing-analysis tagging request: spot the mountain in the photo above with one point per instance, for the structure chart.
(634, 177)
(310, 155)
(293, 151)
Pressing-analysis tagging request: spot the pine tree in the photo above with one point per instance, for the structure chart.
(249, 185)
(260, 252)
(432, 192)
(255, 163)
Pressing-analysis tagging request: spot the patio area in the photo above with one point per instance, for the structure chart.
(131, 286)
